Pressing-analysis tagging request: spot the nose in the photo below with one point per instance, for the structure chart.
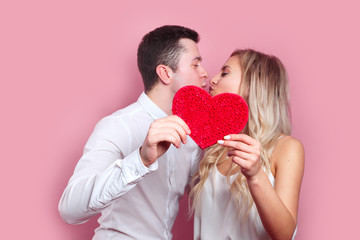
(213, 81)
(204, 75)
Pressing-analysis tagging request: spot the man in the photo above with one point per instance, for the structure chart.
(138, 160)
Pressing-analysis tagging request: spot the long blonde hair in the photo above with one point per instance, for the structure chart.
(264, 86)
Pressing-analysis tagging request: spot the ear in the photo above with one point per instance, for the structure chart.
(164, 73)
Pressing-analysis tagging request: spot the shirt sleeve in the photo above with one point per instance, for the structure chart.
(104, 172)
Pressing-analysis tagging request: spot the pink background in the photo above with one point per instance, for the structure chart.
(66, 64)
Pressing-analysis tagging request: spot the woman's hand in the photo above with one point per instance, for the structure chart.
(245, 151)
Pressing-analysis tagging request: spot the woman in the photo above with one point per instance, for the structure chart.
(248, 184)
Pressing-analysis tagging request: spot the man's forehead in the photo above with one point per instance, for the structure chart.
(190, 48)
(188, 44)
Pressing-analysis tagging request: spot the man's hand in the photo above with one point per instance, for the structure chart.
(162, 133)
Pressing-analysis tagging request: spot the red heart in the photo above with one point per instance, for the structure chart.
(210, 118)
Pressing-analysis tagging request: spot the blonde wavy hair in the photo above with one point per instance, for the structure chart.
(264, 86)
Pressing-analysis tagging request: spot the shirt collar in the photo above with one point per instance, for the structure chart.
(154, 111)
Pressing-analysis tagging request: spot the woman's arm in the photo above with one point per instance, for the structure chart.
(277, 206)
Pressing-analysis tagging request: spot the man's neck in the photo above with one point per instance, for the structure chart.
(162, 97)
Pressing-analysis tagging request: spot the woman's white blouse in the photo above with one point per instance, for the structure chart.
(217, 216)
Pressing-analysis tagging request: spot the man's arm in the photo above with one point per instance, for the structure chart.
(104, 173)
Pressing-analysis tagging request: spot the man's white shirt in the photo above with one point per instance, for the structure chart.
(135, 201)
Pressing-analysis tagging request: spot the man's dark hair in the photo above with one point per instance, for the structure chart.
(161, 46)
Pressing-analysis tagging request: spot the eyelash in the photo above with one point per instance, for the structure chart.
(224, 74)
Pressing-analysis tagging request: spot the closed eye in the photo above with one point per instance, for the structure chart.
(225, 70)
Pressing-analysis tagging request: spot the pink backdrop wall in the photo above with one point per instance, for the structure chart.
(66, 64)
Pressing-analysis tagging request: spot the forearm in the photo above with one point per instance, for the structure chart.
(87, 195)
(74, 203)
(90, 190)
(276, 218)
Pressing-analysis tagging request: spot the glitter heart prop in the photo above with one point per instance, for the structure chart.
(210, 118)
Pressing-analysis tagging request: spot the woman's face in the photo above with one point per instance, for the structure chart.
(228, 79)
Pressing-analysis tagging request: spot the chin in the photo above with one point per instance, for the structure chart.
(212, 93)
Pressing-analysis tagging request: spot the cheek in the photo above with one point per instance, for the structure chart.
(184, 78)
(193, 75)
(187, 74)
(195, 72)
(228, 87)
(225, 85)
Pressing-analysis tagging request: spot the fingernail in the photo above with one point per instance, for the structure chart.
(221, 142)
(227, 137)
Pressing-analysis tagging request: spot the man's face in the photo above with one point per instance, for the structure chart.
(189, 71)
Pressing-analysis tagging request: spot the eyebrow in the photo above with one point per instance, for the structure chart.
(198, 58)
(224, 67)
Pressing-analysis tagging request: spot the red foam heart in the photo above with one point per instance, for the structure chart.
(210, 118)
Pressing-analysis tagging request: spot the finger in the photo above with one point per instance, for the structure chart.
(173, 120)
(243, 138)
(178, 120)
(177, 129)
(183, 124)
(164, 126)
(244, 147)
(168, 135)
(243, 155)
(241, 146)
(244, 165)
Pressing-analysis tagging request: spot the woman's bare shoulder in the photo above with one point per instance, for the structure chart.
(288, 151)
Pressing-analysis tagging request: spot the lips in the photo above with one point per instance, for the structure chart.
(211, 89)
